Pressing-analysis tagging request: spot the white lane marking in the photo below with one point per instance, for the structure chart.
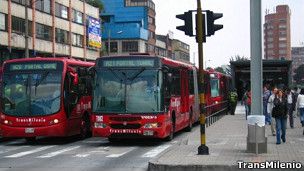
(120, 154)
(21, 154)
(154, 152)
(14, 142)
(8, 149)
(98, 150)
(55, 153)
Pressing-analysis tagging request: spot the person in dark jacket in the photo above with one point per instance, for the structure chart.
(279, 112)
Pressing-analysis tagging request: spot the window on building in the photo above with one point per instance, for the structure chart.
(18, 25)
(282, 38)
(3, 21)
(282, 45)
(77, 40)
(106, 19)
(270, 45)
(43, 32)
(61, 11)
(113, 46)
(130, 46)
(270, 39)
(282, 26)
(62, 36)
(270, 52)
(151, 35)
(270, 32)
(44, 6)
(77, 17)
(151, 20)
(282, 52)
(22, 2)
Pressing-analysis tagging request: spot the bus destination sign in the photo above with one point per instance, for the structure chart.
(33, 66)
(129, 63)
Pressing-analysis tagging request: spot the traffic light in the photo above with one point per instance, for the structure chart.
(188, 27)
(211, 27)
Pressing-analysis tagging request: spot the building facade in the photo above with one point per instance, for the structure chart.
(297, 54)
(277, 44)
(129, 26)
(163, 46)
(181, 51)
(55, 28)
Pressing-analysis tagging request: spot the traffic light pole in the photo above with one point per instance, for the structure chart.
(202, 149)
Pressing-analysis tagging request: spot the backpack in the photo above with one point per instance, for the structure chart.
(248, 100)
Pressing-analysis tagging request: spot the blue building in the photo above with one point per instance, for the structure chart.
(129, 26)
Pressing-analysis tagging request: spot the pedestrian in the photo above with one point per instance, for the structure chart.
(294, 102)
(300, 106)
(290, 97)
(248, 101)
(279, 112)
(270, 106)
(244, 101)
(266, 95)
(233, 101)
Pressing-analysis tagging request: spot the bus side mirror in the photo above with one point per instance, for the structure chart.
(169, 77)
(92, 71)
(75, 78)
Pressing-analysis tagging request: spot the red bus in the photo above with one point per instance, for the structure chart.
(217, 88)
(48, 97)
(143, 96)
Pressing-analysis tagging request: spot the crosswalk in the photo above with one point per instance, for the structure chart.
(78, 150)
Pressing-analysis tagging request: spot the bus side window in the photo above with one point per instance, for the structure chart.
(191, 82)
(176, 82)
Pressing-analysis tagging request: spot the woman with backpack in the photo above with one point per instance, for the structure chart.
(279, 112)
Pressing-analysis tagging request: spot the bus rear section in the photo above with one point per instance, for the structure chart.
(45, 97)
(134, 97)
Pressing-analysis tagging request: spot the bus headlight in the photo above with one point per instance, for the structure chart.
(55, 121)
(5, 122)
(152, 125)
(99, 125)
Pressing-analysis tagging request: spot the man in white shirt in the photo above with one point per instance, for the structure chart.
(270, 106)
(290, 106)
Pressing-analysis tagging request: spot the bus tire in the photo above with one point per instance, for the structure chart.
(171, 135)
(85, 127)
(31, 140)
(189, 127)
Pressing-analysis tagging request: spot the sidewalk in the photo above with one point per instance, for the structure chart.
(226, 140)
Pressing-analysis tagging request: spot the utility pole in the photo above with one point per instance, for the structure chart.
(202, 149)
(256, 140)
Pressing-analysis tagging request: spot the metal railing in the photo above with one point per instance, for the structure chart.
(214, 117)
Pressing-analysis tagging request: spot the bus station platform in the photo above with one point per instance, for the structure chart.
(227, 142)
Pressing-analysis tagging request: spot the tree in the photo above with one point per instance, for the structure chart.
(238, 58)
(96, 3)
(299, 74)
(220, 69)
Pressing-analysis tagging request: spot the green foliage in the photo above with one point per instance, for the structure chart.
(238, 58)
(96, 3)
(220, 69)
(299, 75)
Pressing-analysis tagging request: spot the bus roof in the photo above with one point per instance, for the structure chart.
(62, 59)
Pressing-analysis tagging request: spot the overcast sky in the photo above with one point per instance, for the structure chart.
(234, 38)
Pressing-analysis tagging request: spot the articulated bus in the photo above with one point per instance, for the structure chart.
(216, 91)
(143, 96)
(49, 97)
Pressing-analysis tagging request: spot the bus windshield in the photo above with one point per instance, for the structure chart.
(31, 94)
(128, 91)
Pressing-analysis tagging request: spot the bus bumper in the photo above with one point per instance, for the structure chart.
(57, 130)
(160, 132)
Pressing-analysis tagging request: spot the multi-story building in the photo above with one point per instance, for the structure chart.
(277, 34)
(55, 28)
(297, 54)
(163, 46)
(181, 51)
(129, 26)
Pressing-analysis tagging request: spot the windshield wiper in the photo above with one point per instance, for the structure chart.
(44, 75)
(137, 74)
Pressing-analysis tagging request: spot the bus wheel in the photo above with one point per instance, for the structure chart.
(30, 140)
(189, 127)
(171, 135)
(84, 128)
